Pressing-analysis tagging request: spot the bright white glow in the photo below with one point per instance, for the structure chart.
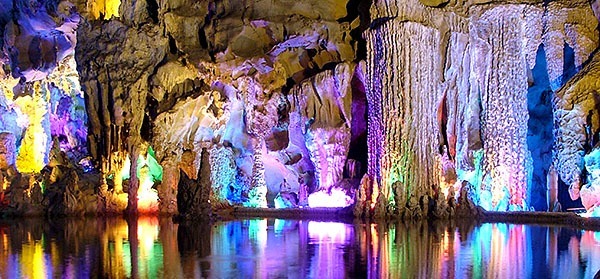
(328, 232)
(337, 198)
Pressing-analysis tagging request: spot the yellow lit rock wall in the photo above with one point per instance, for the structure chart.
(32, 154)
(103, 9)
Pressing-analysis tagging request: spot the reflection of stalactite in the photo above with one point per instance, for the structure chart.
(412, 250)
(113, 234)
(132, 236)
(168, 233)
(195, 239)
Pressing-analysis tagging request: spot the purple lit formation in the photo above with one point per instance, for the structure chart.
(409, 109)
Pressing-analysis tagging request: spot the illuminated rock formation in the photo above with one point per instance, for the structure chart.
(215, 76)
(38, 36)
(193, 194)
(577, 132)
(590, 192)
(452, 83)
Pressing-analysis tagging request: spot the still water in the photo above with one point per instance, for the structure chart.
(273, 248)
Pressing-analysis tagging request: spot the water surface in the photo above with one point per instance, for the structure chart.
(151, 247)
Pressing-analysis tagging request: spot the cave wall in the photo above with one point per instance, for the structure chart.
(448, 92)
(264, 87)
(43, 120)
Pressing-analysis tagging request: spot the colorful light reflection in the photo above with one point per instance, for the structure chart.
(265, 248)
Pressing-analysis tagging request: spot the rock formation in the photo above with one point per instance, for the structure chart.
(452, 82)
(408, 108)
(577, 117)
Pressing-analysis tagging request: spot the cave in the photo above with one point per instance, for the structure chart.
(539, 135)
(375, 111)
(460, 111)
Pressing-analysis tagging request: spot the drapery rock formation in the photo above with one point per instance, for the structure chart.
(417, 108)
(448, 96)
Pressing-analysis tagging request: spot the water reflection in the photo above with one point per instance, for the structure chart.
(274, 248)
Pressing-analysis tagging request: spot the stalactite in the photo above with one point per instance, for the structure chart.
(447, 98)
(167, 190)
(504, 103)
(223, 170)
(409, 97)
(134, 182)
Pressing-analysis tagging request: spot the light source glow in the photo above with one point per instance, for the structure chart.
(335, 198)
(32, 153)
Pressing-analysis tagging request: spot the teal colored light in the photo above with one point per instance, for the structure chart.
(477, 260)
(152, 266)
(156, 170)
(127, 259)
(255, 228)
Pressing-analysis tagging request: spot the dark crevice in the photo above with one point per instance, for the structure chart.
(172, 45)
(146, 129)
(540, 130)
(565, 199)
(443, 124)
(289, 83)
(307, 73)
(569, 68)
(149, 117)
(153, 10)
(202, 38)
(329, 66)
(378, 22)
(358, 140)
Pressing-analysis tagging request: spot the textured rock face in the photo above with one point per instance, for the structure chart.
(42, 113)
(226, 77)
(577, 118)
(39, 37)
(577, 115)
(452, 83)
(193, 194)
(7, 150)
